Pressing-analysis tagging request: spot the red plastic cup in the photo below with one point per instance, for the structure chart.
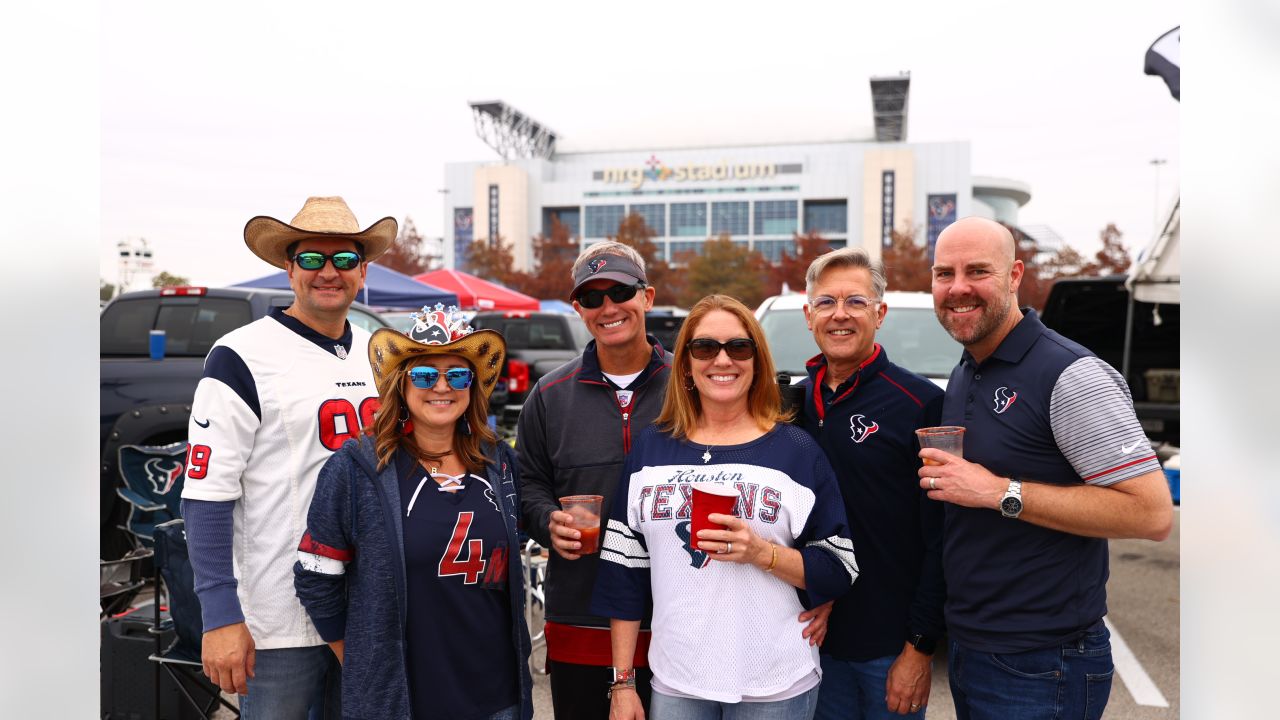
(585, 510)
(710, 498)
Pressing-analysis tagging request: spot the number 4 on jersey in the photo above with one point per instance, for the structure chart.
(452, 563)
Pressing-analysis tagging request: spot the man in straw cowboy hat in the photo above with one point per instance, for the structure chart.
(277, 398)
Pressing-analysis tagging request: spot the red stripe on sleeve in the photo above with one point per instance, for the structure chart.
(309, 545)
(1108, 471)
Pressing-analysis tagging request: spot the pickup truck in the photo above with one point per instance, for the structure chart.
(537, 343)
(147, 402)
(1093, 312)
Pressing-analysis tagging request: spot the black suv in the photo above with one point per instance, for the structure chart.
(537, 343)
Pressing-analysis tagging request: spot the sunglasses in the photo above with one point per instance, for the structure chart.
(708, 349)
(345, 260)
(592, 299)
(424, 378)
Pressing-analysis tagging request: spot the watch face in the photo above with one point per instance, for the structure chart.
(1011, 506)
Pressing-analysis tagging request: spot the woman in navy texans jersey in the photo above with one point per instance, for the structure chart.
(410, 565)
(727, 604)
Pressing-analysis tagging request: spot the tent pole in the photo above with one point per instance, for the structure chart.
(1128, 337)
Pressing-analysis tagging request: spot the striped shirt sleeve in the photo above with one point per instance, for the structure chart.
(1095, 427)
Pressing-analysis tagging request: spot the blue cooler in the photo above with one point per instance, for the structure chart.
(1174, 476)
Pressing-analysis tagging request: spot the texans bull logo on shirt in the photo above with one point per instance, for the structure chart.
(1004, 399)
(861, 430)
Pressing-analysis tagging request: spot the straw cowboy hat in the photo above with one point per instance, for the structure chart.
(325, 218)
(439, 332)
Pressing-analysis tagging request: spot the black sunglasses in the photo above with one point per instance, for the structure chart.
(592, 299)
(426, 378)
(345, 260)
(708, 349)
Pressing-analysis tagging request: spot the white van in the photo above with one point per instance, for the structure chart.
(911, 335)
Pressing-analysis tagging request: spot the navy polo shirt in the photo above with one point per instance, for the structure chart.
(1042, 409)
(866, 427)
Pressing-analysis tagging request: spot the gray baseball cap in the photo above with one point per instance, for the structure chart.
(607, 267)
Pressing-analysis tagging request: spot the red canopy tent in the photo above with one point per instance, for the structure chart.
(475, 293)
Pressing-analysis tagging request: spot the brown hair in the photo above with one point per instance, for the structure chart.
(682, 407)
(387, 435)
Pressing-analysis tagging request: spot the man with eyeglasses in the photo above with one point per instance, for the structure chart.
(864, 410)
(277, 398)
(574, 433)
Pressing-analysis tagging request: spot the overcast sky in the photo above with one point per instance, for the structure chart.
(212, 114)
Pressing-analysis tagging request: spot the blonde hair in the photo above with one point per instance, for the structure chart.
(387, 434)
(682, 408)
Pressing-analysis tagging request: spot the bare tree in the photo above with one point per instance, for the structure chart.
(906, 262)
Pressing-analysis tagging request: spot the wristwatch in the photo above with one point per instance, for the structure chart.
(622, 676)
(923, 643)
(1011, 503)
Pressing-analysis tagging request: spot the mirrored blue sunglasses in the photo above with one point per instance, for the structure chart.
(425, 378)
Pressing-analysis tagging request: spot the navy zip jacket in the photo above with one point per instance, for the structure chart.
(573, 438)
(868, 433)
(355, 518)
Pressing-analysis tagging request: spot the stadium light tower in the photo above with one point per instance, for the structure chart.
(889, 106)
(510, 132)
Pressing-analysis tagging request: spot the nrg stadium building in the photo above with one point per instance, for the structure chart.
(853, 191)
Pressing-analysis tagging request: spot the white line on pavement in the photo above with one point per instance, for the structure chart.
(1141, 686)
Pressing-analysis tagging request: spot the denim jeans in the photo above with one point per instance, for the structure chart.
(1070, 681)
(294, 684)
(800, 707)
(511, 713)
(856, 690)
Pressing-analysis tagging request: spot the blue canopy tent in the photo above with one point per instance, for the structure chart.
(384, 288)
(556, 306)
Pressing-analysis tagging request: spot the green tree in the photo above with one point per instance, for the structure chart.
(106, 290)
(793, 264)
(408, 254)
(492, 261)
(727, 268)
(164, 279)
(906, 263)
(667, 280)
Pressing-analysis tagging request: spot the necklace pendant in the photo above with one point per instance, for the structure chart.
(435, 470)
(706, 455)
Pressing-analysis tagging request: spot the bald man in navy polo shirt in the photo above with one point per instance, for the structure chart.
(1055, 463)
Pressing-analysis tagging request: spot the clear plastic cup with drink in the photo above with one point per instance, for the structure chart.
(585, 510)
(947, 438)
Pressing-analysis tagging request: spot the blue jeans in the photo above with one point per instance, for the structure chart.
(666, 707)
(1071, 680)
(856, 690)
(511, 713)
(294, 684)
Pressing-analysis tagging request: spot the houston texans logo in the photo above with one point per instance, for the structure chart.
(697, 558)
(861, 430)
(596, 264)
(162, 474)
(1004, 399)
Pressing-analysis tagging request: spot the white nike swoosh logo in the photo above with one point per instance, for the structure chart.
(1126, 450)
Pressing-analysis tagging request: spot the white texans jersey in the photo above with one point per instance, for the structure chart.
(272, 407)
(725, 631)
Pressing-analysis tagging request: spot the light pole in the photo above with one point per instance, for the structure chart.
(1155, 215)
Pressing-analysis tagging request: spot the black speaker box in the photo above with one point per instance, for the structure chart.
(128, 677)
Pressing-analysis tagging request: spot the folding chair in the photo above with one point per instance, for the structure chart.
(120, 581)
(181, 659)
(152, 476)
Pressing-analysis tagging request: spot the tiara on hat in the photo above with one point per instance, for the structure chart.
(439, 325)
